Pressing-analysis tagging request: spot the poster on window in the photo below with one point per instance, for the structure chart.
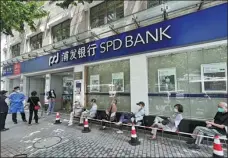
(167, 80)
(94, 83)
(78, 84)
(68, 85)
(214, 77)
(118, 81)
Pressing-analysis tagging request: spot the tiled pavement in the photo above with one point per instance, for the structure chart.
(20, 139)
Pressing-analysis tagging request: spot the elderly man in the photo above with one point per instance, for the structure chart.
(17, 102)
(215, 127)
(89, 113)
(77, 111)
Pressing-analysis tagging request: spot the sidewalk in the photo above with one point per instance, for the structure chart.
(21, 139)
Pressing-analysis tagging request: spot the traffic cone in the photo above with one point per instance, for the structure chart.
(217, 148)
(86, 126)
(57, 118)
(134, 140)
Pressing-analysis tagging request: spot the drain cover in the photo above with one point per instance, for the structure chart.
(47, 142)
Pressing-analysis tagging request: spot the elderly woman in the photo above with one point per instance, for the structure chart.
(215, 127)
(170, 124)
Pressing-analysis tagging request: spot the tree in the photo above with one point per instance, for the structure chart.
(15, 14)
(66, 3)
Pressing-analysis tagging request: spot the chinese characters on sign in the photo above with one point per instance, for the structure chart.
(88, 50)
(74, 54)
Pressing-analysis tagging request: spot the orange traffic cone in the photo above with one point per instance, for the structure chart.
(57, 118)
(217, 148)
(86, 126)
(134, 140)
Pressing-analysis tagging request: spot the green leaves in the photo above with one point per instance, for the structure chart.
(66, 3)
(14, 14)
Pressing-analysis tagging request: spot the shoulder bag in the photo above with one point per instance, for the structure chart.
(36, 107)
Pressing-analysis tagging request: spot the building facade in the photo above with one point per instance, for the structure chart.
(162, 53)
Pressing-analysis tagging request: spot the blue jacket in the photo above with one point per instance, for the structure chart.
(16, 102)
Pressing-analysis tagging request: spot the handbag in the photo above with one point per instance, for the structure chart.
(36, 107)
(165, 121)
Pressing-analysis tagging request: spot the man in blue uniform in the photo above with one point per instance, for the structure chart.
(17, 101)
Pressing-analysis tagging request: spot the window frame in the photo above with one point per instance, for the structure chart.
(60, 29)
(159, 3)
(214, 80)
(106, 9)
(16, 47)
(35, 39)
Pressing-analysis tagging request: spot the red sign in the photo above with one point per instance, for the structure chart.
(17, 69)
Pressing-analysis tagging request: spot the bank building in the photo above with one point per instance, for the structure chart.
(158, 52)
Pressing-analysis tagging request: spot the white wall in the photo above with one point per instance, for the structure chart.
(57, 85)
(13, 83)
(79, 68)
(139, 81)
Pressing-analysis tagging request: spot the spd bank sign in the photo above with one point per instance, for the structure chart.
(202, 26)
(111, 45)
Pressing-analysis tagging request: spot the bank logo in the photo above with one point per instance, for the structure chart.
(54, 59)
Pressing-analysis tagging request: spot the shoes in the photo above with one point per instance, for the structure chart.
(15, 122)
(153, 138)
(37, 123)
(24, 120)
(191, 141)
(70, 124)
(103, 128)
(118, 123)
(119, 132)
(194, 147)
(80, 124)
(4, 129)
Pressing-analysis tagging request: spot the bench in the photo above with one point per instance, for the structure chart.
(185, 127)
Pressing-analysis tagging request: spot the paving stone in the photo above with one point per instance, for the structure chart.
(94, 144)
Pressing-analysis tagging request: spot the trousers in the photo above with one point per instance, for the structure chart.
(31, 111)
(14, 116)
(3, 116)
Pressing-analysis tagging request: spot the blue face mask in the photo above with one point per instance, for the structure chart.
(221, 110)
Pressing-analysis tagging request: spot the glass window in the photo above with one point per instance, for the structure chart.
(106, 12)
(15, 50)
(61, 31)
(36, 41)
(154, 3)
(100, 79)
(183, 78)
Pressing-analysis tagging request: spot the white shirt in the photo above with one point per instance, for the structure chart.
(93, 110)
(7, 101)
(139, 115)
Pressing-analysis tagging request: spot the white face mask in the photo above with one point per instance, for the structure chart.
(18, 90)
(175, 110)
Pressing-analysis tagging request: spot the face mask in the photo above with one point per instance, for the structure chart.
(221, 110)
(18, 91)
(175, 110)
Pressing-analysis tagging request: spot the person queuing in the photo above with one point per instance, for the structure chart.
(127, 117)
(51, 98)
(110, 114)
(34, 106)
(170, 124)
(77, 111)
(214, 127)
(4, 102)
(17, 102)
(89, 113)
